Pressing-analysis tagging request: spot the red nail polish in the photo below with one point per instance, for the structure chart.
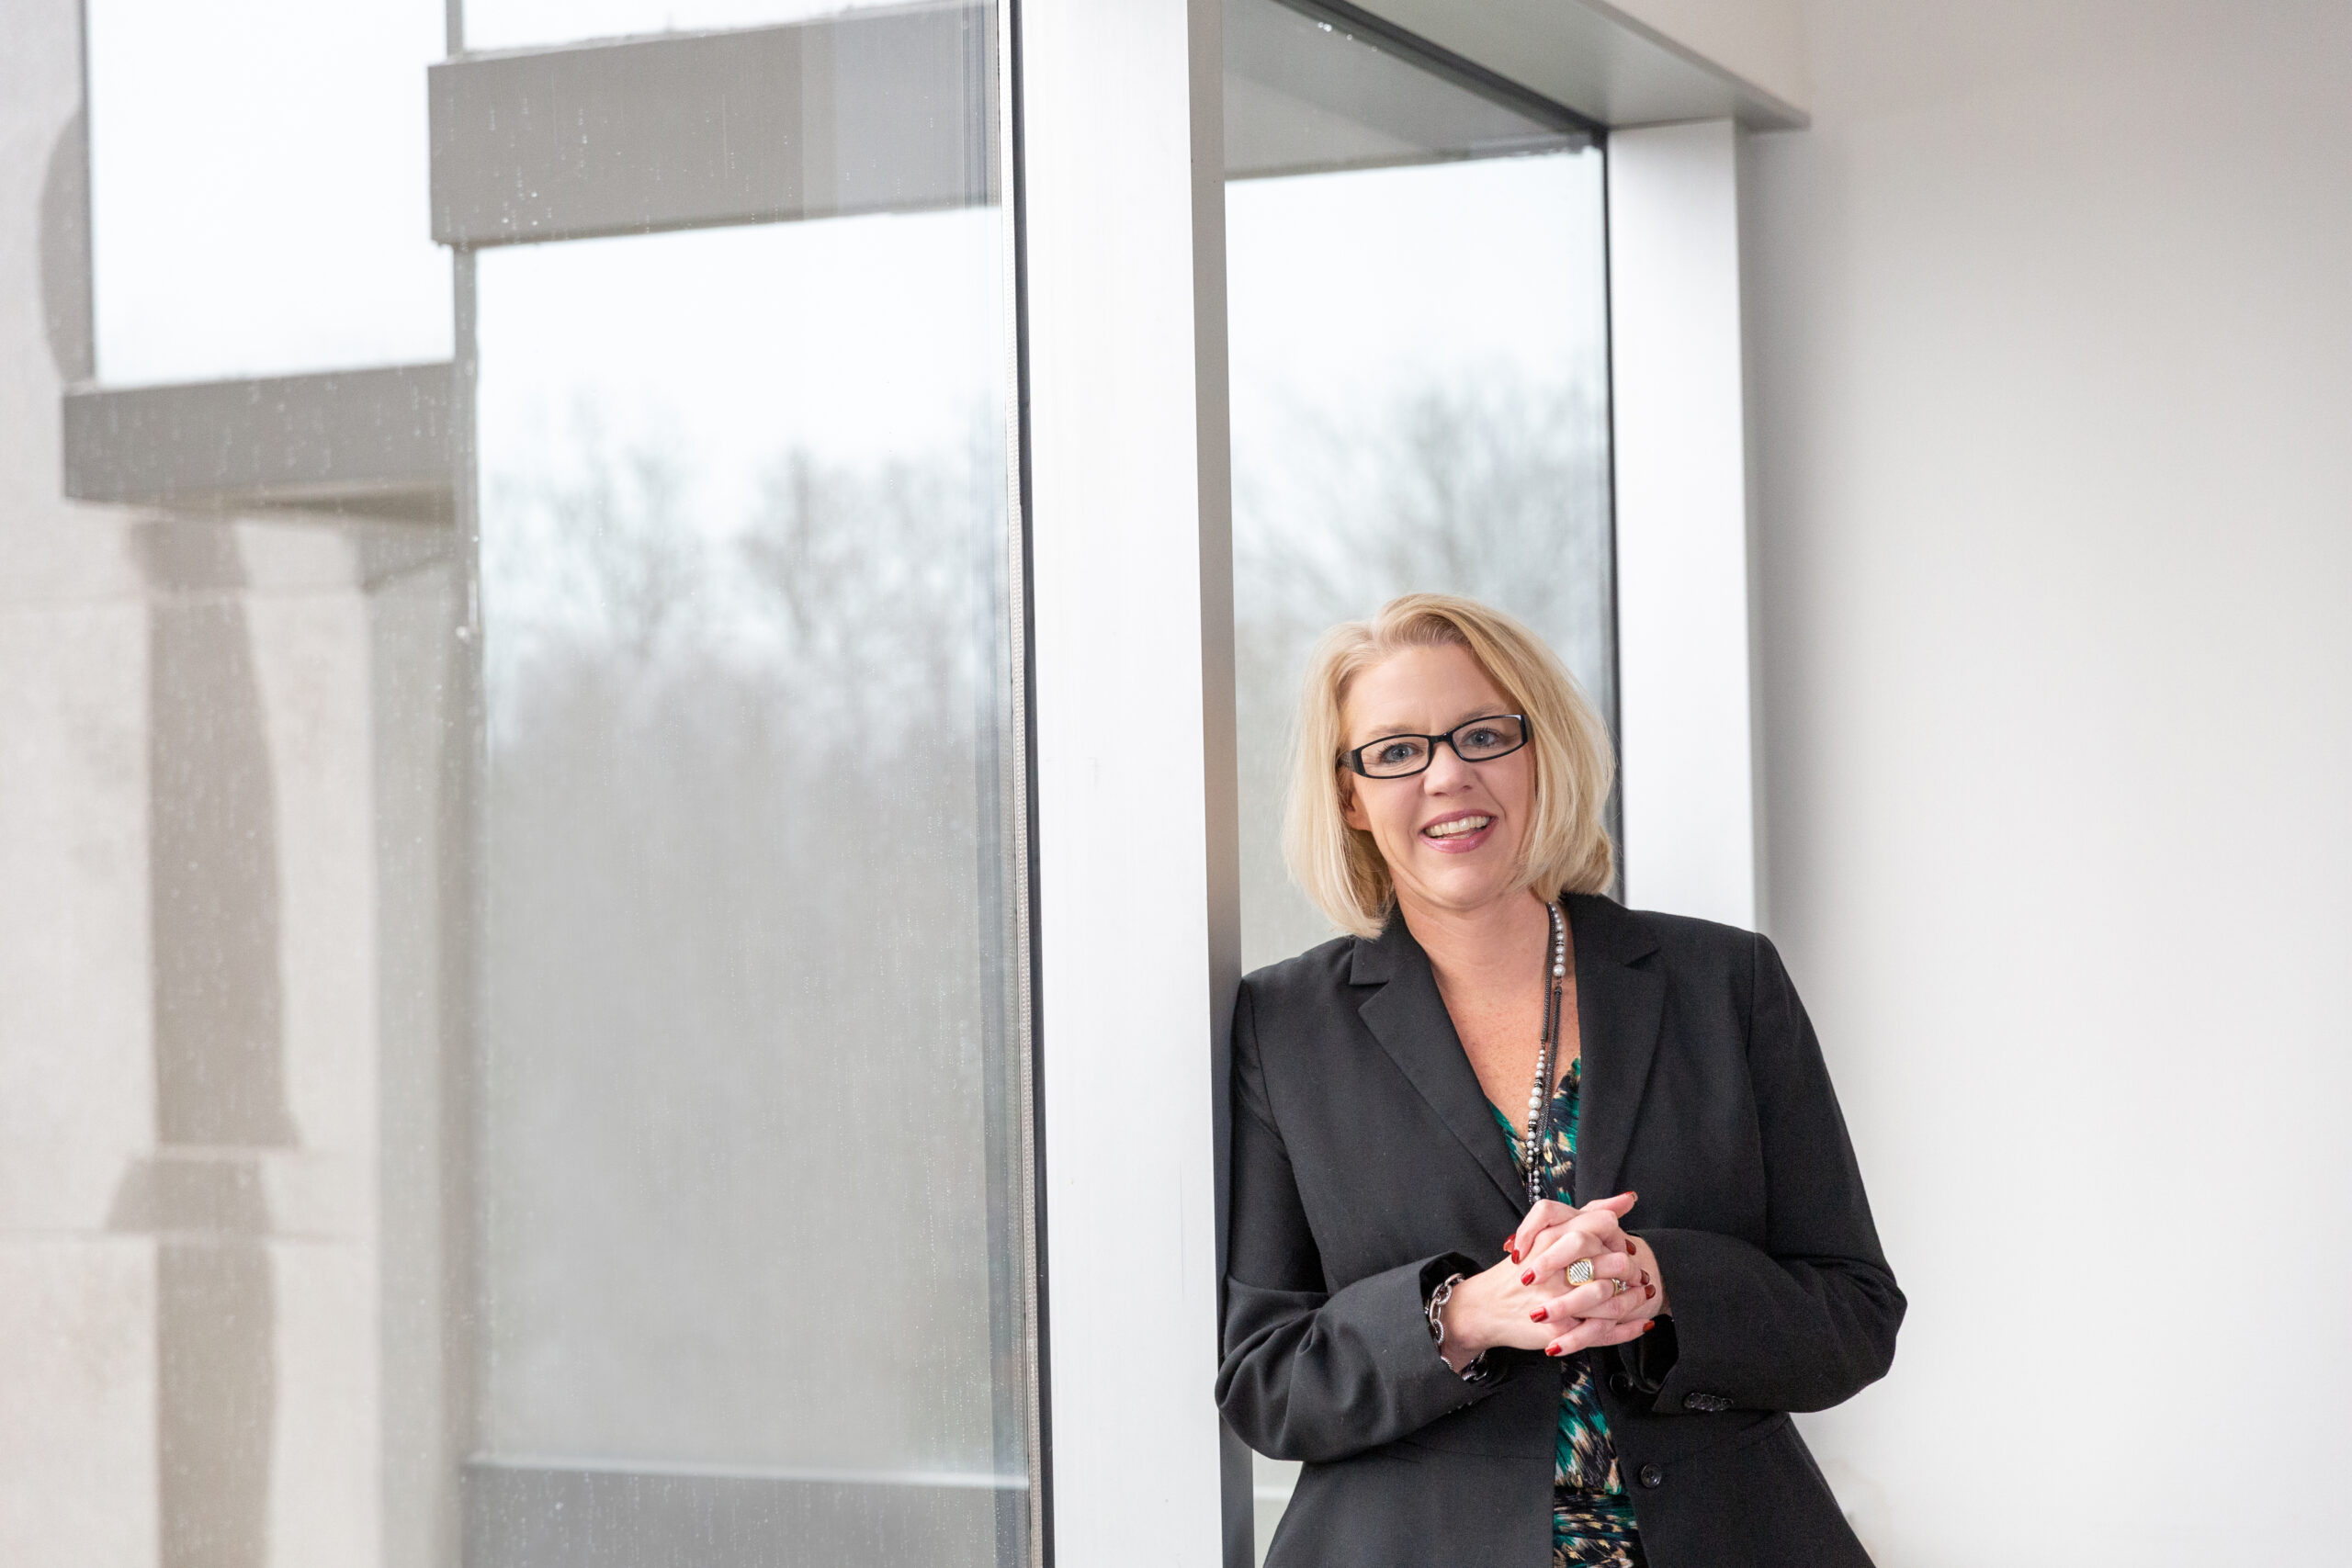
(1650, 1324)
(1539, 1314)
(1554, 1350)
(1528, 1278)
(1649, 1293)
(1645, 1276)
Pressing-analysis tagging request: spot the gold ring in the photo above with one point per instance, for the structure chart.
(1580, 1271)
(1622, 1287)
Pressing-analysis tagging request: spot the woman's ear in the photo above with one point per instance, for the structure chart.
(1351, 808)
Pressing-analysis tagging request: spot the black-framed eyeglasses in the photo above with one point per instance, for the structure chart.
(1402, 756)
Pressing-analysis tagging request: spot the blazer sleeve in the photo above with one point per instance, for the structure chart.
(1807, 1319)
(1309, 1374)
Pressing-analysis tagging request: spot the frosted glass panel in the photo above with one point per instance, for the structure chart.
(747, 984)
(258, 187)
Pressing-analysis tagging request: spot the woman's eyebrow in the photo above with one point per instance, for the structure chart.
(1400, 727)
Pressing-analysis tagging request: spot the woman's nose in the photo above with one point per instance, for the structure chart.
(1446, 770)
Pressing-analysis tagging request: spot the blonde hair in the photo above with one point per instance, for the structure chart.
(1566, 847)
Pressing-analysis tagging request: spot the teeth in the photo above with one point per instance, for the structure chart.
(1458, 827)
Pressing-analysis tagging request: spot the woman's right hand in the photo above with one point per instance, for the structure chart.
(1504, 1305)
(1492, 1307)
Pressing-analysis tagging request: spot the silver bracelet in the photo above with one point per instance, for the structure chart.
(1434, 1311)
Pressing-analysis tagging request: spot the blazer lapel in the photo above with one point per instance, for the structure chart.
(1619, 1010)
(1408, 1018)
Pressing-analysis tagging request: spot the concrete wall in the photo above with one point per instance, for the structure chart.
(217, 1316)
(78, 1351)
(2053, 376)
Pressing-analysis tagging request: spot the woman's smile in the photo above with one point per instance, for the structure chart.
(1459, 832)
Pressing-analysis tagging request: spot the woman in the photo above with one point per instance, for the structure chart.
(1480, 1363)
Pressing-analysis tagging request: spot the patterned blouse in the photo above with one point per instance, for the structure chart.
(1591, 1522)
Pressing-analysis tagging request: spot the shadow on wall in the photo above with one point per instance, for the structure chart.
(219, 1052)
(277, 654)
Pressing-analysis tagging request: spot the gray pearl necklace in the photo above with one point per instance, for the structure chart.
(1539, 1099)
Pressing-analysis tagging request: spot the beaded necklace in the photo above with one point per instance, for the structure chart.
(1539, 1099)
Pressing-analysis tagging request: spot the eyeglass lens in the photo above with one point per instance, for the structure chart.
(1397, 755)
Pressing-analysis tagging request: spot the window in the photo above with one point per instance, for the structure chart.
(1418, 322)
(222, 244)
(1417, 318)
(750, 1176)
(753, 1193)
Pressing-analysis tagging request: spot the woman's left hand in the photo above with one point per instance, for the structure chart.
(1626, 1292)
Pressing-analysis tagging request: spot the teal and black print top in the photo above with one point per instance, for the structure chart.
(1591, 1522)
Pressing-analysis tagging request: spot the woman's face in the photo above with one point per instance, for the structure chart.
(1450, 834)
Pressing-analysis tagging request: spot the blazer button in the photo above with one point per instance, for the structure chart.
(1651, 1476)
(1620, 1385)
(1708, 1403)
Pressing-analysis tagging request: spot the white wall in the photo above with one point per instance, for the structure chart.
(2052, 314)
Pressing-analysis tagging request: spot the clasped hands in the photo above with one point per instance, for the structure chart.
(1527, 1300)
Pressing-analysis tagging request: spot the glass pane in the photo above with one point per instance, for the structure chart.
(258, 174)
(1417, 308)
(512, 24)
(751, 1252)
(1420, 402)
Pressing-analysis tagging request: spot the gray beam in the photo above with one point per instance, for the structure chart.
(371, 442)
(1311, 87)
(1590, 55)
(867, 112)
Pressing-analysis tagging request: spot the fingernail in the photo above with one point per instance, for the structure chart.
(1528, 1278)
(1539, 1314)
(1645, 1276)
(1554, 1350)
(1648, 1325)
(1649, 1293)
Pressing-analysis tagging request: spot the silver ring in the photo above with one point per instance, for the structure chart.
(1622, 1287)
(1580, 1271)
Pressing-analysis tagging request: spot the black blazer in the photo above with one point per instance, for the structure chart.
(1366, 1167)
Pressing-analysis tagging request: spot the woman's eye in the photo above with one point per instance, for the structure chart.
(1484, 736)
(1400, 751)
